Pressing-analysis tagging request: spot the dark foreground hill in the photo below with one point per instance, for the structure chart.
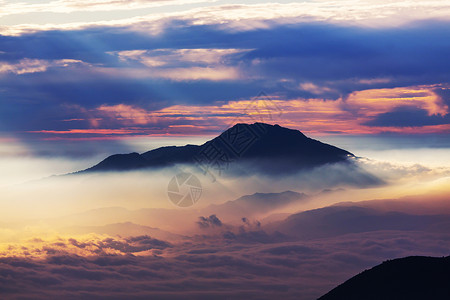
(262, 147)
(410, 278)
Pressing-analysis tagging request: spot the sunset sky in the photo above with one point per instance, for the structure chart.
(114, 69)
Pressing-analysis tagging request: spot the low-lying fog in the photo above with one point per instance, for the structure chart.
(29, 191)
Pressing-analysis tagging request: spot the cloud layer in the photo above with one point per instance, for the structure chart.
(207, 268)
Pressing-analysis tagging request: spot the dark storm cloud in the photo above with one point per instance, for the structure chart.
(408, 117)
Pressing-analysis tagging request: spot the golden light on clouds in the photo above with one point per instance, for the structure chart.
(314, 115)
(349, 115)
(376, 101)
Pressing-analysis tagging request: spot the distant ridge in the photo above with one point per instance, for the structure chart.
(270, 148)
(256, 204)
(333, 221)
(409, 278)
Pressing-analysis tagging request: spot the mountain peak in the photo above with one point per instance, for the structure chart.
(264, 147)
(261, 140)
(262, 128)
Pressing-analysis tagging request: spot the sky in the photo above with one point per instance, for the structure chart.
(110, 70)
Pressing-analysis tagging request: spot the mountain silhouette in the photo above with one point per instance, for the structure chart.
(265, 147)
(409, 278)
(254, 205)
(334, 221)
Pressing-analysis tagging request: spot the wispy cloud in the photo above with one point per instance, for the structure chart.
(27, 65)
(168, 57)
(235, 16)
(127, 114)
(181, 64)
(65, 6)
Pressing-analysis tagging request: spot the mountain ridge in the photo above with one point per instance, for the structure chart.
(333, 221)
(266, 147)
(413, 277)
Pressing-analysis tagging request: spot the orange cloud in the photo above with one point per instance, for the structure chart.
(373, 102)
(80, 245)
(318, 116)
